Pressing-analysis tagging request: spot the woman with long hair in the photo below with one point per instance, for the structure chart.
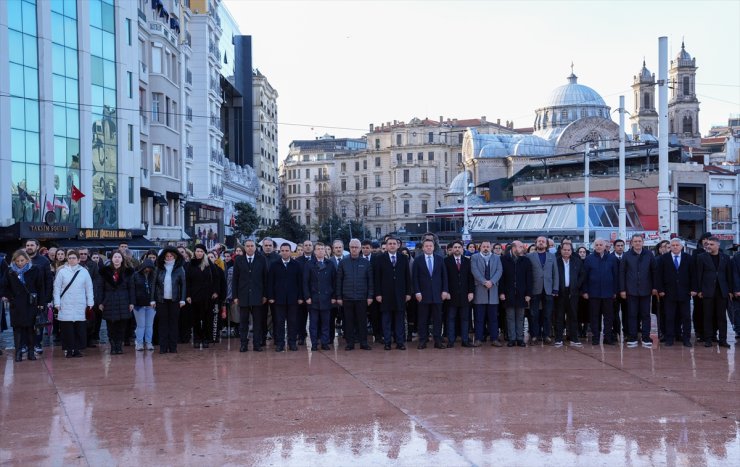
(59, 260)
(168, 297)
(118, 299)
(202, 289)
(73, 295)
(23, 287)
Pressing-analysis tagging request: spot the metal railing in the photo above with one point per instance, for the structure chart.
(321, 178)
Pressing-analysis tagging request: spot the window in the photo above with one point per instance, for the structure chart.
(357, 166)
(128, 31)
(308, 216)
(364, 183)
(156, 59)
(377, 209)
(377, 181)
(459, 158)
(688, 125)
(409, 157)
(365, 209)
(424, 206)
(308, 173)
(399, 158)
(405, 175)
(647, 100)
(343, 166)
(430, 137)
(420, 156)
(357, 183)
(398, 139)
(308, 189)
(308, 204)
(377, 232)
(459, 138)
(131, 190)
(377, 162)
(344, 211)
(344, 184)
(377, 143)
(686, 86)
(364, 164)
(406, 206)
(130, 137)
(722, 218)
(424, 176)
(130, 84)
(156, 107)
(157, 158)
(430, 155)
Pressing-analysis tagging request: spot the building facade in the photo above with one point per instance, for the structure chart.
(265, 143)
(69, 118)
(683, 105)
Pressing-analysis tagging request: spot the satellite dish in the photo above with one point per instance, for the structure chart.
(50, 218)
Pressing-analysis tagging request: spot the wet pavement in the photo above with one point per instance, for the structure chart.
(513, 406)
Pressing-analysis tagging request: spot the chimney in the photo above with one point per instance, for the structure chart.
(483, 119)
(382, 126)
(371, 128)
(395, 122)
(441, 119)
(498, 121)
(388, 124)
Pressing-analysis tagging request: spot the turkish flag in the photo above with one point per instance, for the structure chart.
(76, 194)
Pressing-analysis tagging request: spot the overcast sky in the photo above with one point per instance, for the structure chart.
(341, 65)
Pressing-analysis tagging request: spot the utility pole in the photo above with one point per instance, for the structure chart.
(664, 196)
(622, 207)
(587, 194)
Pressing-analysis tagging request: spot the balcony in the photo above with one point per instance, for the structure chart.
(143, 72)
(213, 50)
(217, 192)
(189, 151)
(216, 122)
(188, 39)
(189, 114)
(218, 157)
(162, 30)
(321, 178)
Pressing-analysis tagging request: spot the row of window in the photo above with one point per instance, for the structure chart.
(430, 139)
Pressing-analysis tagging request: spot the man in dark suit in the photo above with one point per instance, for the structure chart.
(619, 320)
(675, 282)
(392, 275)
(373, 311)
(516, 289)
(319, 279)
(698, 312)
(430, 288)
(272, 257)
(570, 275)
(250, 289)
(462, 289)
(303, 308)
(355, 293)
(285, 294)
(714, 286)
(636, 278)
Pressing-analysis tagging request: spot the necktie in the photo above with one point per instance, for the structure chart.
(458, 263)
(430, 265)
(487, 272)
(393, 260)
(249, 260)
(675, 262)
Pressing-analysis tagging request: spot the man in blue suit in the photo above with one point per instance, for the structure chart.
(675, 282)
(285, 294)
(430, 289)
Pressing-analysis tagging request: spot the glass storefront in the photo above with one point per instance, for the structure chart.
(22, 50)
(104, 117)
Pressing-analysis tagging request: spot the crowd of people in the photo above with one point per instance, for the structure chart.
(375, 293)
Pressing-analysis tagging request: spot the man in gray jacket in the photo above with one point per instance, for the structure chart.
(486, 269)
(355, 293)
(636, 284)
(545, 280)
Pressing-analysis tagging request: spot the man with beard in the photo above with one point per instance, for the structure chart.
(44, 265)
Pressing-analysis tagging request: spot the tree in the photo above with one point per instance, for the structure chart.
(286, 227)
(336, 228)
(246, 220)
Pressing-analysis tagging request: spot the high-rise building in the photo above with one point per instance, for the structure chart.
(265, 141)
(68, 118)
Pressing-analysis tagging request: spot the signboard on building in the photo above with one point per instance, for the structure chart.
(104, 234)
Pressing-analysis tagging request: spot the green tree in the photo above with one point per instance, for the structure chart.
(246, 220)
(286, 227)
(335, 228)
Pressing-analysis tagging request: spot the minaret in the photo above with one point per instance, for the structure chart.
(644, 118)
(683, 106)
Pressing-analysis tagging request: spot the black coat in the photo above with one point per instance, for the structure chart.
(21, 313)
(201, 284)
(637, 273)
(460, 283)
(285, 284)
(736, 272)
(143, 284)
(318, 283)
(117, 294)
(516, 281)
(575, 267)
(179, 283)
(354, 279)
(677, 285)
(392, 283)
(44, 265)
(708, 277)
(249, 282)
(93, 268)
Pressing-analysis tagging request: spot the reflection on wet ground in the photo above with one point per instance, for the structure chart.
(532, 406)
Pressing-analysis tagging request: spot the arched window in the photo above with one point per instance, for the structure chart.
(648, 130)
(686, 86)
(688, 124)
(646, 98)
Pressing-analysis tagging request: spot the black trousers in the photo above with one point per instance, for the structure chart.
(601, 308)
(116, 330)
(698, 317)
(258, 316)
(355, 321)
(566, 314)
(715, 308)
(302, 321)
(185, 323)
(168, 313)
(376, 320)
(93, 326)
(281, 314)
(677, 312)
(202, 321)
(619, 322)
(24, 335)
(74, 335)
(427, 311)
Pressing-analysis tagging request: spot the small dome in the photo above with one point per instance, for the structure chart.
(645, 73)
(531, 145)
(683, 55)
(574, 94)
(457, 187)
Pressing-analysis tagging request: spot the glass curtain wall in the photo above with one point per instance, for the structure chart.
(65, 92)
(104, 116)
(22, 53)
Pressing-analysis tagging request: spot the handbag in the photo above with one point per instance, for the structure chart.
(43, 318)
(89, 313)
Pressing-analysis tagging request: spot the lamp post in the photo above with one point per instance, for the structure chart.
(468, 190)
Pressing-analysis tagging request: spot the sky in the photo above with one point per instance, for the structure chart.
(339, 66)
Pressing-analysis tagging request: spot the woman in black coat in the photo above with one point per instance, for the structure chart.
(168, 296)
(118, 299)
(21, 281)
(202, 287)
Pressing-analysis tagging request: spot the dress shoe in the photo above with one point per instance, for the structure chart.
(325, 347)
(365, 347)
(18, 355)
(387, 347)
(475, 344)
(31, 356)
(401, 347)
(422, 346)
(68, 355)
(349, 347)
(439, 345)
(162, 351)
(243, 348)
(280, 348)
(292, 348)
(521, 343)
(497, 344)
(668, 344)
(533, 341)
(707, 344)
(510, 344)
(171, 350)
(258, 349)
(548, 340)
(301, 341)
(76, 354)
(724, 344)
(314, 348)
(687, 344)
(467, 345)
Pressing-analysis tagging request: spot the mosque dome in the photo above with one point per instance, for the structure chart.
(574, 94)
(457, 187)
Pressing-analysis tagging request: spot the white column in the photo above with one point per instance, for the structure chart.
(85, 91)
(46, 106)
(664, 196)
(622, 207)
